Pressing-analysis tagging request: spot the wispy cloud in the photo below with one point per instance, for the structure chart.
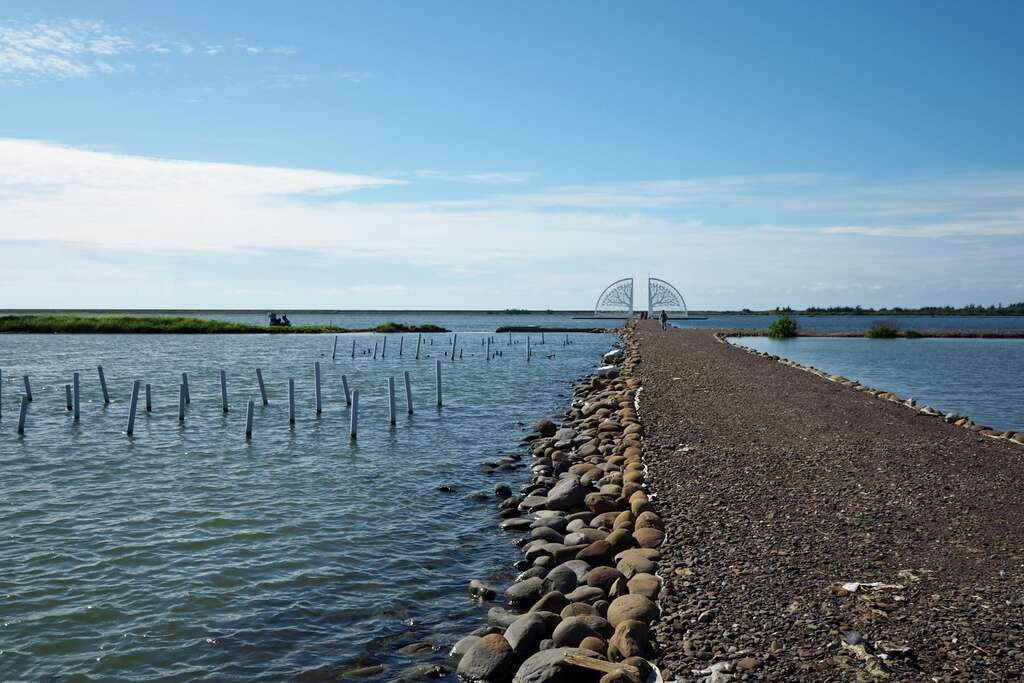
(69, 48)
(61, 48)
(477, 177)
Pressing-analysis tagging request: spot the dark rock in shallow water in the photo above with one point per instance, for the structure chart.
(502, 490)
(546, 428)
(480, 590)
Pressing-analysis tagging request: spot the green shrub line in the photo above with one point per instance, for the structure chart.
(167, 324)
(782, 328)
(882, 330)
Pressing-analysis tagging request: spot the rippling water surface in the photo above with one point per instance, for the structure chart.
(185, 553)
(981, 378)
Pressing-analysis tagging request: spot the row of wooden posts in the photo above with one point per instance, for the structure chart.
(488, 341)
(72, 397)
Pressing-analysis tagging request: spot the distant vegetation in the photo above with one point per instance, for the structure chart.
(166, 324)
(783, 328)
(882, 331)
(970, 309)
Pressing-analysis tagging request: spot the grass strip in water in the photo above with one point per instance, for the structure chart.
(166, 324)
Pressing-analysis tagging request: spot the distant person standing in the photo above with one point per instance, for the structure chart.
(664, 320)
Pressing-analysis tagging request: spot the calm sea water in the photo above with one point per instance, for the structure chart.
(185, 553)
(478, 322)
(981, 378)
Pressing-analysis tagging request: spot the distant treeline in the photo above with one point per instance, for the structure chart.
(970, 309)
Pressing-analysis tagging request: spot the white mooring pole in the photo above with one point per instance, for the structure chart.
(263, 388)
(28, 389)
(344, 385)
(354, 417)
(316, 388)
(248, 420)
(437, 380)
(130, 429)
(408, 393)
(22, 414)
(391, 401)
(291, 401)
(75, 392)
(223, 391)
(103, 384)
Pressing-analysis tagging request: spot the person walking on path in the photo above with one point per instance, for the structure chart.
(664, 320)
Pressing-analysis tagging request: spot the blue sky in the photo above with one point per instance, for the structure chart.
(492, 155)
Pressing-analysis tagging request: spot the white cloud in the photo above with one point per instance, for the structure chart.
(517, 245)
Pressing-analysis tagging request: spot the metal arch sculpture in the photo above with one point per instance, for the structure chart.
(616, 299)
(662, 296)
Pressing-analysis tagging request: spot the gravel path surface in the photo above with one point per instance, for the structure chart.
(778, 487)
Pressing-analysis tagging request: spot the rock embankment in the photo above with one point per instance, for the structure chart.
(816, 533)
(581, 609)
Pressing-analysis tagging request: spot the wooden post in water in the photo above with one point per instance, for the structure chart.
(316, 389)
(527, 348)
(181, 403)
(401, 343)
(541, 337)
(130, 428)
(291, 401)
(149, 397)
(28, 389)
(354, 417)
(22, 414)
(408, 393)
(75, 391)
(419, 338)
(263, 388)
(353, 347)
(184, 384)
(223, 391)
(437, 381)
(248, 420)
(334, 353)
(67, 397)
(384, 351)
(103, 384)
(510, 337)
(455, 341)
(488, 348)
(344, 385)
(391, 401)
(375, 349)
